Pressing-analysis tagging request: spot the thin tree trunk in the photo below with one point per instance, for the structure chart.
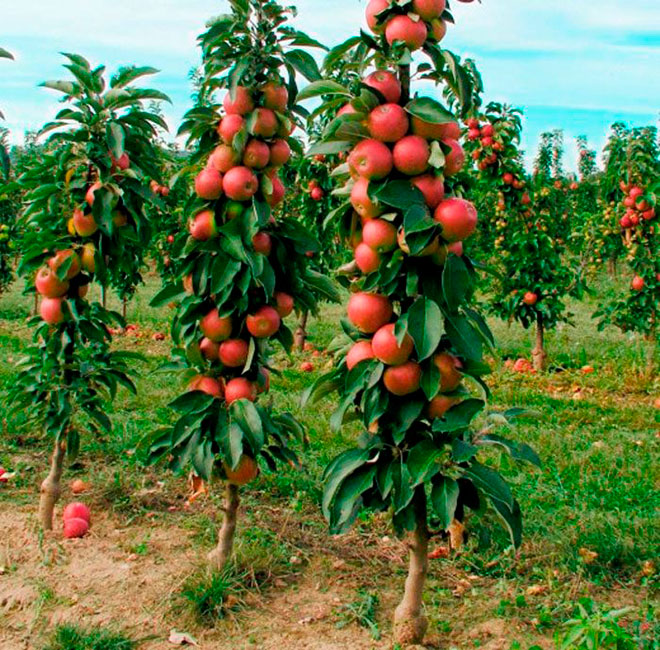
(104, 297)
(410, 624)
(222, 552)
(124, 307)
(538, 353)
(50, 488)
(35, 308)
(611, 268)
(301, 333)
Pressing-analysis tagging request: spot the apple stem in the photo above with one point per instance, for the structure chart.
(222, 552)
(301, 333)
(410, 624)
(50, 487)
(538, 353)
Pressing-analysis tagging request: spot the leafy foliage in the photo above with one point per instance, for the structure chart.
(248, 51)
(417, 455)
(85, 210)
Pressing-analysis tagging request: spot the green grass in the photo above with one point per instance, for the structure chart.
(69, 637)
(597, 435)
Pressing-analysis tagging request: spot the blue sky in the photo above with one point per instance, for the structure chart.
(571, 64)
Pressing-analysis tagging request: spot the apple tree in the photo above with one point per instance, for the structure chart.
(6, 207)
(636, 165)
(533, 277)
(86, 201)
(410, 367)
(244, 265)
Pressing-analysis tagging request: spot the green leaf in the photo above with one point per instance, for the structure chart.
(444, 498)
(489, 482)
(4, 54)
(399, 194)
(517, 450)
(322, 87)
(456, 282)
(191, 402)
(338, 470)
(167, 294)
(459, 416)
(429, 110)
(348, 498)
(422, 462)
(304, 63)
(425, 326)
(115, 135)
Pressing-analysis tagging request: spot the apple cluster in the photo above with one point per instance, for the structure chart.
(411, 23)
(68, 273)
(638, 209)
(243, 166)
(399, 148)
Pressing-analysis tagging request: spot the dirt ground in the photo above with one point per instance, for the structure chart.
(98, 581)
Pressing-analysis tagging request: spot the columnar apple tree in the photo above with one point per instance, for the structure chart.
(637, 171)
(86, 200)
(533, 277)
(411, 368)
(6, 218)
(244, 264)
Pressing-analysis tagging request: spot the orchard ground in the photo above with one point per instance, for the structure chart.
(591, 525)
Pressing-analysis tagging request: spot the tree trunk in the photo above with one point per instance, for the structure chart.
(50, 488)
(222, 552)
(35, 308)
(104, 298)
(538, 353)
(301, 333)
(124, 307)
(410, 624)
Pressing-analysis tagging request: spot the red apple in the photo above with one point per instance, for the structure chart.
(51, 310)
(57, 261)
(240, 184)
(280, 152)
(429, 9)
(216, 327)
(208, 385)
(229, 127)
(84, 224)
(75, 527)
(411, 155)
(275, 194)
(373, 9)
(371, 159)
(264, 322)
(362, 202)
(49, 285)
(369, 311)
(386, 83)
(458, 218)
(386, 349)
(263, 243)
(233, 353)
(203, 227)
(450, 375)
(256, 154)
(223, 158)
(209, 349)
(360, 351)
(432, 187)
(77, 510)
(240, 388)
(403, 379)
(284, 303)
(455, 159)
(264, 123)
(241, 104)
(367, 259)
(404, 28)
(276, 96)
(208, 184)
(379, 235)
(388, 123)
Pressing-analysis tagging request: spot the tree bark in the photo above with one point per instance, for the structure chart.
(410, 624)
(124, 307)
(103, 297)
(538, 353)
(222, 552)
(51, 488)
(35, 308)
(301, 333)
